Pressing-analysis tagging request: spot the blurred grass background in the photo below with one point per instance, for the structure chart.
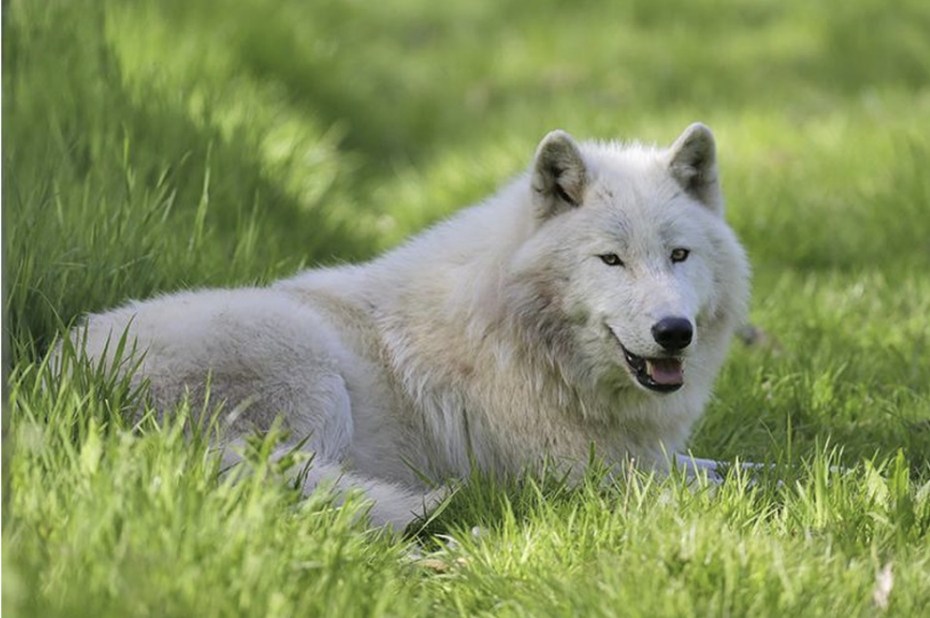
(155, 145)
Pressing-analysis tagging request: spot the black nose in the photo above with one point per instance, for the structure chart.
(673, 334)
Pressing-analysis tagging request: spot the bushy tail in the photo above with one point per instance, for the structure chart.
(393, 506)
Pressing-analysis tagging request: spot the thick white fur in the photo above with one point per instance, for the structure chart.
(488, 340)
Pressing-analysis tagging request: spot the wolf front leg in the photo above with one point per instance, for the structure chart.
(714, 470)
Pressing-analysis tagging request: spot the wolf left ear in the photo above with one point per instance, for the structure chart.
(693, 163)
(559, 174)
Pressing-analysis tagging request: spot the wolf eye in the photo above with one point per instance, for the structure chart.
(611, 259)
(680, 255)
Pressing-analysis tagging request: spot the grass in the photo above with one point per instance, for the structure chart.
(152, 146)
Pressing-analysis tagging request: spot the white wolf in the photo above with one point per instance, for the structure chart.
(590, 302)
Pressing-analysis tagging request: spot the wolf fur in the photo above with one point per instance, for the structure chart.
(504, 336)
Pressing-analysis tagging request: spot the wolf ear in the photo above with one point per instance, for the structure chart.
(693, 163)
(559, 174)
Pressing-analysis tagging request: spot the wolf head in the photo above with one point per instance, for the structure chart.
(631, 255)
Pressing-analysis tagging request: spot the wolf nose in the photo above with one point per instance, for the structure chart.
(673, 334)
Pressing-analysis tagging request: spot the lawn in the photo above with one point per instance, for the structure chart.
(155, 145)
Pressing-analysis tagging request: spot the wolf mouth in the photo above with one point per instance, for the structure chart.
(662, 375)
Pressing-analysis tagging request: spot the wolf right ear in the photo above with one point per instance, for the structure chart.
(559, 175)
(692, 161)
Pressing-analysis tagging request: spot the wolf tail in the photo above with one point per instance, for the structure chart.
(392, 506)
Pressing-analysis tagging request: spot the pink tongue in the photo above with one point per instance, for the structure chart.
(665, 370)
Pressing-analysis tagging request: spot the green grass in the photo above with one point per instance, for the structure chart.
(151, 145)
